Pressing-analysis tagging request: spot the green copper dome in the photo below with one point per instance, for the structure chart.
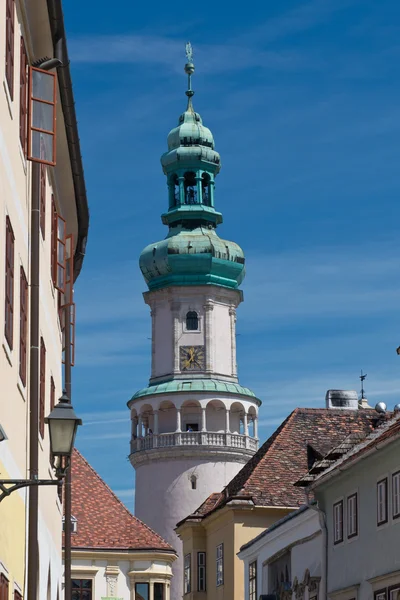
(192, 253)
(192, 257)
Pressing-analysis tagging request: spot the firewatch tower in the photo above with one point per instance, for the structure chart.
(194, 425)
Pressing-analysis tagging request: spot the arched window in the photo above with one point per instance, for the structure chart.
(192, 321)
(190, 188)
(205, 189)
(193, 481)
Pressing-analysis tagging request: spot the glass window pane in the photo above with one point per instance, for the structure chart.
(42, 146)
(87, 583)
(158, 591)
(142, 591)
(76, 583)
(43, 86)
(42, 116)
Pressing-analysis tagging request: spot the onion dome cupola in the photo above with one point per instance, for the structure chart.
(192, 253)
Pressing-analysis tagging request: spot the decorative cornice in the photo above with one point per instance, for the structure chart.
(218, 454)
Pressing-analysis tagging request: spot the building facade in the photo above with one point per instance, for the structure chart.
(262, 493)
(114, 555)
(194, 426)
(359, 494)
(42, 201)
(286, 558)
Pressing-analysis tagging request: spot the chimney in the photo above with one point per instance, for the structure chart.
(343, 399)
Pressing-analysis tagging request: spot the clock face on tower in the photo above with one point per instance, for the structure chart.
(192, 358)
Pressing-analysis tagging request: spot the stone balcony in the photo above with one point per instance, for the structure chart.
(195, 439)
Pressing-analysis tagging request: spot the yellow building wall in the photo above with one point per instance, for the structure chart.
(12, 537)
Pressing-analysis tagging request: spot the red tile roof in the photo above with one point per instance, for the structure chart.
(388, 431)
(269, 476)
(103, 521)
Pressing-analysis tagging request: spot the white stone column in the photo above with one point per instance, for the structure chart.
(178, 420)
(245, 425)
(153, 341)
(155, 422)
(256, 428)
(208, 308)
(232, 314)
(203, 419)
(175, 336)
(227, 423)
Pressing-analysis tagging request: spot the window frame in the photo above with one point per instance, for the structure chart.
(352, 534)
(253, 580)
(384, 481)
(202, 567)
(192, 320)
(42, 387)
(23, 95)
(10, 46)
(4, 586)
(336, 540)
(378, 593)
(219, 562)
(187, 574)
(23, 326)
(9, 284)
(17, 595)
(143, 583)
(396, 475)
(86, 589)
(31, 127)
(43, 177)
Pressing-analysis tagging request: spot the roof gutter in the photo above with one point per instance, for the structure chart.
(56, 19)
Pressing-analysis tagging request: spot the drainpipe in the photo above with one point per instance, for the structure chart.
(67, 484)
(324, 558)
(33, 510)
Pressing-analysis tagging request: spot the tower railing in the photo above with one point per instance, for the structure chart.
(194, 438)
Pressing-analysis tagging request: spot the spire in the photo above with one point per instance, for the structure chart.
(189, 70)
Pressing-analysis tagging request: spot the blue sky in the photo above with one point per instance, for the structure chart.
(303, 101)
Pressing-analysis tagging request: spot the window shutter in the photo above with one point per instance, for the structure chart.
(23, 89)
(10, 22)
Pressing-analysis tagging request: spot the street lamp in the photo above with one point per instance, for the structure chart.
(63, 424)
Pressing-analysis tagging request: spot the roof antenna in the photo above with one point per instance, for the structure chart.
(362, 379)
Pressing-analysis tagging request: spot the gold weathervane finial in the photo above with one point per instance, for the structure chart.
(189, 52)
(189, 70)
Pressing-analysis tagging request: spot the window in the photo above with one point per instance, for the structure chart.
(187, 582)
(192, 321)
(43, 200)
(9, 308)
(193, 481)
(158, 591)
(10, 9)
(352, 516)
(74, 524)
(380, 595)
(82, 589)
(53, 252)
(23, 89)
(220, 564)
(141, 591)
(52, 394)
(23, 325)
(253, 580)
(396, 495)
(42, 387)
(394, 592)
(201, 571)
(382, 500)
(42, 116)
(17, 595)
(338, 522)
(3, 587)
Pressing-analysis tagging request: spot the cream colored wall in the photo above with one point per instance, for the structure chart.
(114, 574)
(15, 201)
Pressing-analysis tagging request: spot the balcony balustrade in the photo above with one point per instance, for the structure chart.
(194, 438)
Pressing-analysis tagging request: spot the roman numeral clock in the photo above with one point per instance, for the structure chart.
(192, 358)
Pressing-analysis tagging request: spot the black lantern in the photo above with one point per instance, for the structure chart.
(63, 424)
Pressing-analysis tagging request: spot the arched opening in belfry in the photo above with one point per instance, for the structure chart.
(192, 321)
(190, 187)
(174, 190)
(205, 189)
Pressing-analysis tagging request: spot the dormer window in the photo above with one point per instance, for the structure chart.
(74, 524)
(192, 321)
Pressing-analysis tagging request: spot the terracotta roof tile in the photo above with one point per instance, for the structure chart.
(269, 476)
(103, 521)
